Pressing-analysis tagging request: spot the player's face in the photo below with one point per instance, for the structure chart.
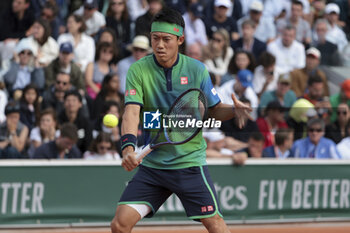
(166, 47)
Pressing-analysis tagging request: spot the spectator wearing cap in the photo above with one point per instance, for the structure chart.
(343, 96)
(83, 45)
(300, 77)
(195, 28)
(139, 48)
(335, 34)
(315, 145)
(265, 29)
(240, 86)
(303, 29)
(235, 12)
(247, 41)
(337, 131)
(63, 147)
(289, 53)
(144, 22)
(94, 20)
(73, 113)
(220, 20)
(272, 120)
(283, 144)
(64, 64)
(22, 73)
(282, 94)
(13, 133)
(329, 51)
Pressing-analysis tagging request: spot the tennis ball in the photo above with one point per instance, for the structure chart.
(110, 120)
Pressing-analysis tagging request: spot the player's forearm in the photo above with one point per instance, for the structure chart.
(131, 121)
(222, 112)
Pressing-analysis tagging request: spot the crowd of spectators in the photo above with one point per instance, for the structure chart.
(63, 66)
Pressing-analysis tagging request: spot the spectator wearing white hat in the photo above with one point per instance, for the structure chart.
(221, 20)
(289, 53)
(300, 76)
(139, 48)
(21, 73)
(265, 29)
(303, 29)
(335, 34)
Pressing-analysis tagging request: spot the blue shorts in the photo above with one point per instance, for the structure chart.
(192, 185)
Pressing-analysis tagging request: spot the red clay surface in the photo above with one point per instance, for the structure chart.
(278, 228)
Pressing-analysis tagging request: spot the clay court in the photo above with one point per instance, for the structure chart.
(274, 228)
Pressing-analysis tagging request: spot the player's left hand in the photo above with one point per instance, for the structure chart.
(242, 111)
(129, 161)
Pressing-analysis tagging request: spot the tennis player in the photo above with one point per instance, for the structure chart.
(154, 82)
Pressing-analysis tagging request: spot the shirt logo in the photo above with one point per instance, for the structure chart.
(126, 93)
(133, 92)
(176, 29)
(151, 120)
(210, 208)
(204, 209)
(184, 80)
(214, 91)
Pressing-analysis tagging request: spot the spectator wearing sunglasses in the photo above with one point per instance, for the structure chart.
(342, 97)
(13, 133)
(315, 145)
(22, 73)
(337, 130)
(102, 148)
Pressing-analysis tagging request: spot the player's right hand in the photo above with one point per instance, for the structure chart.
(129, 161)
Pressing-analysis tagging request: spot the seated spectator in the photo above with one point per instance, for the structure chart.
(344, 145)
(247, 41)
(195, 28)
(317, 10)
(22, 73)
(64, 64)
(14, 24)
(300, 77)
(62, 147)
(218, 53)
(231, 128)
(118, 20)
(282, 94)
(49, 13)
(265, 28)
(53, 97)
(13, 133)
(72, 113)
(283, 144)
(289, 53)
(44, 45)
(315, 145)
(109, 91)
(30, 106)
(329, 51)
(266, 74)
(235, 12)
(195, 51)
(94, 20)
(83, 45)
(95, 72)
(335, 34)
(139, 48)
(102, 148)
(144, 22)
(303, 30)
(315, 94)
(108, 35)
(255, 146)
(46, 130)
(240, 86)
(3, 102)
(220, 20)
(337, 131)
(272, 120)
(300, 112)
(343, 96)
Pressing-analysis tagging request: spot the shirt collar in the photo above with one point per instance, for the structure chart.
(176, 62)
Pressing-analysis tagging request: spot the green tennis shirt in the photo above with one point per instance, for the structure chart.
(154, 87)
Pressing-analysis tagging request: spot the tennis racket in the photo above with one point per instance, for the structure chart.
(191, 105)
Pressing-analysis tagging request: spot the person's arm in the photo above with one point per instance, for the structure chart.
(19, 141)
(130, 126)
(89, 78)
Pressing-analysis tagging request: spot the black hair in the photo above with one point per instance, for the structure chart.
(47, 30)
(266, 59)
(102, 137)
(314, 78)
(170, 16)
(74, 93)
(105, 45)
(232, 66)
(36, 103)
(108, 104)
(70, 131)
(257, 136)
(282, 135)
(79, 19)
(297, 2)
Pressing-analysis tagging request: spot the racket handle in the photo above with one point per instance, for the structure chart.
(145, 151)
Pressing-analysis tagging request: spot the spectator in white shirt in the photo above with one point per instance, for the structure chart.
(195, 28)
(94, 19)
(84, 45)
(335, 34)
(344, 145)
(289, 53)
